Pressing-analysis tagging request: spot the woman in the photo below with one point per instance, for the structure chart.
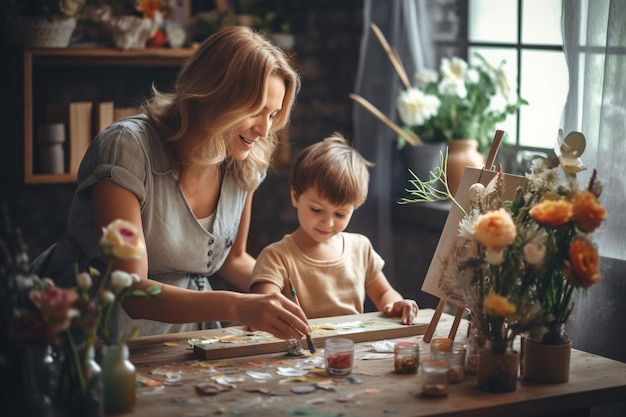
(185, 170)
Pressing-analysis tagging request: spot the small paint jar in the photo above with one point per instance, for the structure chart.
(456, 359)
(406, 357)
(435, 378)
(440, 344)
(338, 356)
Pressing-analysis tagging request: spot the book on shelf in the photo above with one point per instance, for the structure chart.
(103, 115)
(77, 117)
(121, 112)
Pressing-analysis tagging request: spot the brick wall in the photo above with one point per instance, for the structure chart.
(326, 55)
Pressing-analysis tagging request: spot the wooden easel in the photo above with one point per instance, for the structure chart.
(430, 331)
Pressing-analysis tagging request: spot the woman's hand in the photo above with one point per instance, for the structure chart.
(406, 308)
(273, 313)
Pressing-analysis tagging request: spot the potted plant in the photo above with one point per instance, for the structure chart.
(459, 105)
(281, 19)
(40, 23)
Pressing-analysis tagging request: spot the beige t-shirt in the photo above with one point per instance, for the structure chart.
(325, 288)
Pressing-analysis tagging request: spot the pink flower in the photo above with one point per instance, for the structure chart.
(56, 305)
(121, 238)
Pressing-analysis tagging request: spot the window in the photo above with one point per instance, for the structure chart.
(527, 34)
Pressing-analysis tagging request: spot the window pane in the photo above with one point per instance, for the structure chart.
(544, 83)
(541, 22)
(492, 21)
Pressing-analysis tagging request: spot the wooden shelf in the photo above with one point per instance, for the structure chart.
(109, 57)
(78, 59)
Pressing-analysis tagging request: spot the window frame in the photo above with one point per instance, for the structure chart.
(461, 45)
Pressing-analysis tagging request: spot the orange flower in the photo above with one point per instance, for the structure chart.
(497, 305)
(149, 8)
(588, 211)
(495, 229)
(552, 213)
(583, 268)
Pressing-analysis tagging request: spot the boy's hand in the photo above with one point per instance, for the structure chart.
(406, 308)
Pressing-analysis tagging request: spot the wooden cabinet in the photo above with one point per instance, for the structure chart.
(39, 77)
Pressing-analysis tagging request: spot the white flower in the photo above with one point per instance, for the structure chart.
(107, 297)
(425, 77)
(497, 104)
(534, 253)
(466, 225)
(83, 280)
(120, 280)
(452, 87)
(472, 76)
(494, 256)
(415, 107)
(502, 84)
(454, 68)
(535, 249)
(135, 278)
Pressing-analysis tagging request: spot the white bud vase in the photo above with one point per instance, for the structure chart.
(118, 374)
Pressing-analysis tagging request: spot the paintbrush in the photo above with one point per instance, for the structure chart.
(309, 340)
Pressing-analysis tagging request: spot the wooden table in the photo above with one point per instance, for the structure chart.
(373, 390)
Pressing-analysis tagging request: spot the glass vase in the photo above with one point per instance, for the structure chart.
(79, 390)
(475, 342)
(498, 366)
(38, 374)
(119, 379)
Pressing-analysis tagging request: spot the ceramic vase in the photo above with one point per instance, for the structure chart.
(546, 359)
(497, 368)
(118, 374)
(461, 153)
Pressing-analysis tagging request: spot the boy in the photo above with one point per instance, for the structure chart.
(331, 270)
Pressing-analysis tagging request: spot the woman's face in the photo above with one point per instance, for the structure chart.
(258, 126)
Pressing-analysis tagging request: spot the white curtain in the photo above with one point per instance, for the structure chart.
(594, 34)
(404, 25)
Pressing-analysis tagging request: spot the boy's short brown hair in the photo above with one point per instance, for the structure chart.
(336, 170)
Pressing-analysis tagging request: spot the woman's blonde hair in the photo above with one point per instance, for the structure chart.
(222, 84)
(336, 170)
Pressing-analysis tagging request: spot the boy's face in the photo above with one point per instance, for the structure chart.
(320, 219)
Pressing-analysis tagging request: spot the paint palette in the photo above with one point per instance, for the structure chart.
(237, 341)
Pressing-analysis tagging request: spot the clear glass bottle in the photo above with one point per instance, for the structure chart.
(94, 406)
(475, 342)
(406, 357)
(118, 374)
